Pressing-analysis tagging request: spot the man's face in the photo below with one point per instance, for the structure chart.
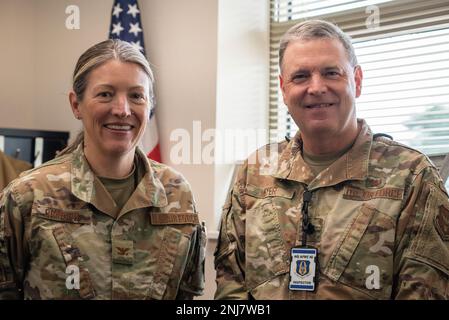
(319, 87)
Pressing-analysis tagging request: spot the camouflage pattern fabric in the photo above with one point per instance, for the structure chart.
(55, 219)
(381, 217)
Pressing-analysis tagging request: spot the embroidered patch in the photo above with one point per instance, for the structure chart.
(81, 216)
(373, 182)
(270, 191)
(273, 191)
(442, 222)
(352, 193)
(173, 218)
(123, 251)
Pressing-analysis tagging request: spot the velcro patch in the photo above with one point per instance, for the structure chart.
(374, 182)
(272, 191)
(442, 222)
(174, 218)
(352, 193)
(81, 216)
(123, 251)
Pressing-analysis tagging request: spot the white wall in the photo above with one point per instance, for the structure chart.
(57, 50)
(209, 62)
(242, 82)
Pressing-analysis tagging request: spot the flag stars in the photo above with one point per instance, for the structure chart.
(134, 28)
(117, 10)
(132, 10)
(137, 45)
(117, 28)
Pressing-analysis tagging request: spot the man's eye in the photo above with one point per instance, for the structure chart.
(332, 74)
(105, 94)
(299, 77)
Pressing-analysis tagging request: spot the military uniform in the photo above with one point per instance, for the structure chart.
(380, 215)
(10, 169)
(57, 222)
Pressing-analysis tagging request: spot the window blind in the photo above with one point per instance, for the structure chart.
(405, 60)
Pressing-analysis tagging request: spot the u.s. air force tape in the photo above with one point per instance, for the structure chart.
(174, 218)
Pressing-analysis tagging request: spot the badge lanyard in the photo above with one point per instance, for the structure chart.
(307, 227)
(303, 266)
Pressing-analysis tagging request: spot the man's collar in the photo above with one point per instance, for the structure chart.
(353, 165)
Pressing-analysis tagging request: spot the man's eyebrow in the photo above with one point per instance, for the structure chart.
(332, 68)
(300, 71)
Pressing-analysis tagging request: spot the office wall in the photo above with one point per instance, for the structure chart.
(17, 63)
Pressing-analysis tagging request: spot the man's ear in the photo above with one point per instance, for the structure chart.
(74, 104)
(281, 84)
(358, 78)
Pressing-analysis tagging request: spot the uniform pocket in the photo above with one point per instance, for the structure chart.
(195, 281)
(57, 269)
(363, 258)
(170, 264)
(73, 257)
(348, 243)
(267, 254)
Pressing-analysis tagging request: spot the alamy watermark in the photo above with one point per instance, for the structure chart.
(73, 279)
(214, 146)
(373, 20)
(223, 146)
(73, 21)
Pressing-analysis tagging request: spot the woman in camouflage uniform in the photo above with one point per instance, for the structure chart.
(101, 221)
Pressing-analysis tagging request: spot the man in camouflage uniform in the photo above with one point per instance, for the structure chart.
(58, 221)
(375, 210)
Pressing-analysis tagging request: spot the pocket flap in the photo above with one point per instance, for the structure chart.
(168, 252)
(349, 242)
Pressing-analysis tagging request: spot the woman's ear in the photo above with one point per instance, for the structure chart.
(74, 104)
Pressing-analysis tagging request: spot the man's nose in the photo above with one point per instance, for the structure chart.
(121, 107)
(317, 85)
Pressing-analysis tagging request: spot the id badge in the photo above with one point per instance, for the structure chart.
(303, 269)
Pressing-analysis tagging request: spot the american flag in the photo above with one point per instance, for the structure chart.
(126, 25)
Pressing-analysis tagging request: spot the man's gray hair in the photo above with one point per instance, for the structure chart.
(316, 29)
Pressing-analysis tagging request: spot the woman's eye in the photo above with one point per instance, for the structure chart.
(138, 96)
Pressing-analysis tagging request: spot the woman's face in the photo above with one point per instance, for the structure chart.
(115, 107)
